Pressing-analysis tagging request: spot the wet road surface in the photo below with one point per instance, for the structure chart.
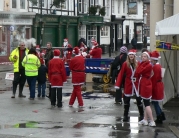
(100, 118)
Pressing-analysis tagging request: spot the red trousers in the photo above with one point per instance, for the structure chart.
(76, 94)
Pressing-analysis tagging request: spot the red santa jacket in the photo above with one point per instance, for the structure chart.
(143, 82)
(96, 52)
(157, 84)
(77, 66)
(56, 72)
(126, 73)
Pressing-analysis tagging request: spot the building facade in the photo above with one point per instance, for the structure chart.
(15, 24)
(147, 17)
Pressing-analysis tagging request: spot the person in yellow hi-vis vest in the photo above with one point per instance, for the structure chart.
(31, 63)
(16, 56)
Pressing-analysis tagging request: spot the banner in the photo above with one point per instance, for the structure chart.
(165, 46)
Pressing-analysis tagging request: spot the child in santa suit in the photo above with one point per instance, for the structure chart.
(67, 51)
(77, 67)
(143, 85)
(57, 76)
(128, 69)
(96, 52)
(157, 87)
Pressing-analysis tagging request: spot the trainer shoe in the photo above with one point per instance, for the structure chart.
(143, 122)
(152, 124)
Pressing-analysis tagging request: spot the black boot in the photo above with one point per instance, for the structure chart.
(14, 88)
(163, 116)
(126, 112)
(20, 91)
(159, 119)
(141, 112)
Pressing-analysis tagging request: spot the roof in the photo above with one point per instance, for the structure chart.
(168, 26)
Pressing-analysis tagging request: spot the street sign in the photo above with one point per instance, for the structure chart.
(9, 76)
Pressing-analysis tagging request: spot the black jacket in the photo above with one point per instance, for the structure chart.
(48, 56)
(119, 60)
(42, 74)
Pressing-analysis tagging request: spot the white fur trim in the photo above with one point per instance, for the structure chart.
(146, 54)
(56, 86)
(78, 83)
(153, 58)
(116, 87)
(56, 57)
(131, 53)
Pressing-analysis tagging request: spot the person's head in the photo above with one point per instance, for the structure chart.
(37, 48)
(32, 51)
(56, 52)
(145, 56)
(49, 45)
(76, 50)
(154, 57)
(123, 49)
(144, 50)
(131, 58)
(22, 45)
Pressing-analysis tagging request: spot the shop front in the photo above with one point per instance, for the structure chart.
(14, 27)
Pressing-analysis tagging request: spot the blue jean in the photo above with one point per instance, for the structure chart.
(157, 107)
(31, 80)
(41, 89)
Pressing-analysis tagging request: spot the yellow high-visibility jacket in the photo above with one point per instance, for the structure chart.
(15, 52)
(31, 63)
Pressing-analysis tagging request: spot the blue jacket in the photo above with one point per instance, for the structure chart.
(42, 74)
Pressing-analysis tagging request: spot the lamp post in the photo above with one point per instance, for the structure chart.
(41, 22)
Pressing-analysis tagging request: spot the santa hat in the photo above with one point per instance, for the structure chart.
(155, 55)
(76, 50)
(147, 53)
(56, 52)
(66, 39)
(37, 47)
(123, 49)
(132, 52)
(41, 61)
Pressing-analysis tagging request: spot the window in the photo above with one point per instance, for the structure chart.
(145, 18)
(43, 3)
(118, 6)
(119, 32)
(113, 7)
(108, 8)
(82, 6)
(124, 6)
(97, 2)
(3, 40)
(14, 4)
(132, 8)
(139, 33)
(91, 2)
(104, 31)
(82, 31)
(145, 7)
(22, 4)
(92, 32)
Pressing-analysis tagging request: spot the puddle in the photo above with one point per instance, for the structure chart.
(34, 124)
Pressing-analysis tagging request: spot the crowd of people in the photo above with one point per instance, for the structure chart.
(142, 79)
(35, 65)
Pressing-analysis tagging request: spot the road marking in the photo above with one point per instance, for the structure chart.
(175, 130)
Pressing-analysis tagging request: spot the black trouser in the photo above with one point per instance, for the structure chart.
(127, 105)
(58, 96)
(19, 78)
(118, 97)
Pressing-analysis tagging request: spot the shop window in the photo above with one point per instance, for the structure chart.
(139, 34)
(105, 31)
(22, 4)
(3, 41)
(27, 35)
(82, 31)
(14, 4)
(119, 32)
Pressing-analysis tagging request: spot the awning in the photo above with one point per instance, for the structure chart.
(168, 26)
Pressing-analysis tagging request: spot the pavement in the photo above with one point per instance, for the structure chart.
(100, 118)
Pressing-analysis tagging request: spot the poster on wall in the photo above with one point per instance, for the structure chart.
(132, 8)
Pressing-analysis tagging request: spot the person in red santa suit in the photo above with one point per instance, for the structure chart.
(144, 87)
(96, 52)
(67, 52)
(57, 76)
(77, 66)
(157, 87)
(127, 74)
